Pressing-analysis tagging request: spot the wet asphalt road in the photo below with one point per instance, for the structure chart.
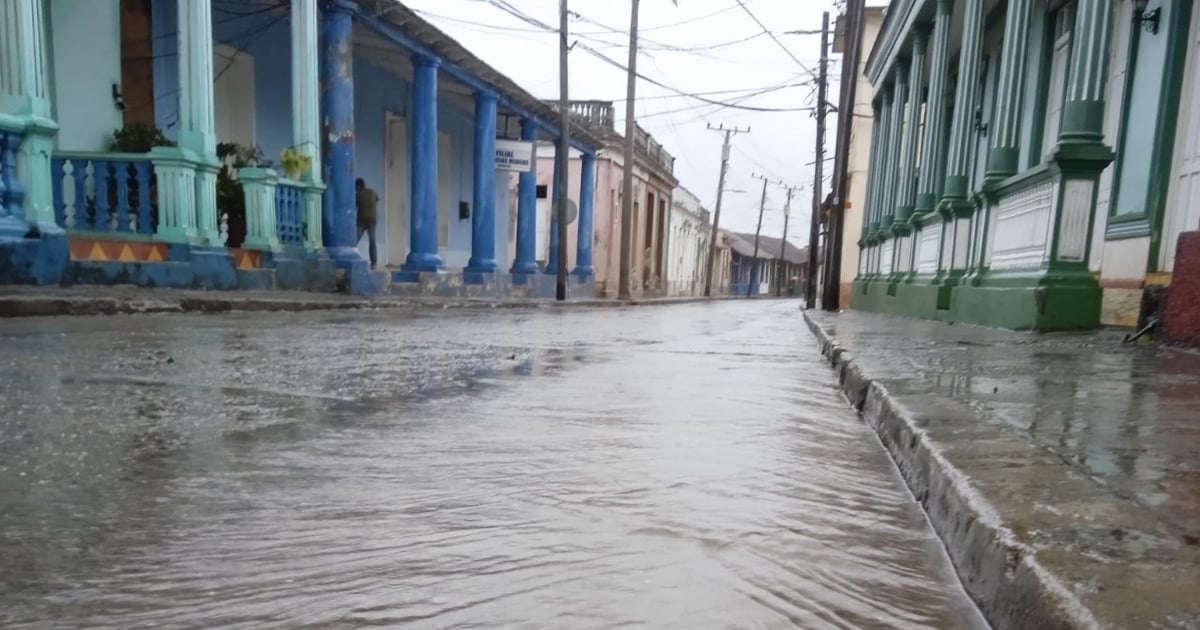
(667, 467)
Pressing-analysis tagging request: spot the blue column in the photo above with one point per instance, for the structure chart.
(423, 235)
(483, 217)
(526, 258)
(552, 257)
(337, 217)
(587, 195)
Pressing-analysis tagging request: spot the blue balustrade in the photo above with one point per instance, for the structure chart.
(105, 192)
(12, 196)
(289, 212)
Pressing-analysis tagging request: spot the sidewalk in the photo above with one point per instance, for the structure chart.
(1062, 471)
(28, 301)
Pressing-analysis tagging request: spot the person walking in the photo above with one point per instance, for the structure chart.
(368, 203)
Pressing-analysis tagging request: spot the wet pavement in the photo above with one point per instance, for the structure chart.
(1087, 450)
(688, 466)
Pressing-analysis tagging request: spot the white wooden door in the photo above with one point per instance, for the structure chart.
(1183, 198)
(397, 194)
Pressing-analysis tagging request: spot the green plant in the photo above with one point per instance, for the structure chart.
(138, 138)
(296, 163)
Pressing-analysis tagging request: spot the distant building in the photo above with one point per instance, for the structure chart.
(775, 267)
(688, 248)
(653, 182)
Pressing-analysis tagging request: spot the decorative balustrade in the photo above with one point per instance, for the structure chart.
(594, 114)
(105, 192)
(12, 196)
(289, 212)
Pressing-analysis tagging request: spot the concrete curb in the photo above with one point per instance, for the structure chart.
(1001, 574)
(13, 306)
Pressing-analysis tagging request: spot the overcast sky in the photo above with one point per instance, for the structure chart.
(780, 145)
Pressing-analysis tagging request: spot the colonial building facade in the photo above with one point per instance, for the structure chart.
(691, 232)
(653, 182)
(1031, 160)
(136, 139)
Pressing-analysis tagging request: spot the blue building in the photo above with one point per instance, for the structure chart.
(775, 267)
(216, 143)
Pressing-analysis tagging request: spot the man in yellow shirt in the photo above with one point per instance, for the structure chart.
(368, 204)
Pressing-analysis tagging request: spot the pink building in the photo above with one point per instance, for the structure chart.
(653, 183)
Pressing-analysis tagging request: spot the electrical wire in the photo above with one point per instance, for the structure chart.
(742, 4)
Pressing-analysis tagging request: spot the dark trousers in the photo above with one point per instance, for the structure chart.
(369, 229)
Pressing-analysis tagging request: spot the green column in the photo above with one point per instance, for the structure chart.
(1081, 154)
(1083, 105)
(1004, 157)
(906, 187)
(958, 164)
(892, 149)
(866, 245)
(933, 154)
(880, 165)
(873, 165)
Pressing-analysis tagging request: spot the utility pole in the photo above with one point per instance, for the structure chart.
(814, 237)
(831, 299)
(716, 224)
(563, 154)
(780, 266)
(762, 205)
(623, 292)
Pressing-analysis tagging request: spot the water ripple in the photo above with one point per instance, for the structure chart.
(684, 467)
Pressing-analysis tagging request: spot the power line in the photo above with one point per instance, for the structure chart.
(507, 7)
(766, 30)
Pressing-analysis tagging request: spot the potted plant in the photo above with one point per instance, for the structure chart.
(296, 163)
(138, 138)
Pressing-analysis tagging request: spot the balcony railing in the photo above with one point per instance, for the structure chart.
(594, 114)
(289, 212)
(111, 193)
(11, 195)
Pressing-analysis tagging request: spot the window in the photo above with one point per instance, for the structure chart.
(542, 191)
(1062, 22)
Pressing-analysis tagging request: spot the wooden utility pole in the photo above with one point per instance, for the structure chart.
(814, 237)
(563, 153)
(762, 205)
(623, 288)
(716, 224)
(831, 298)
(781, 265)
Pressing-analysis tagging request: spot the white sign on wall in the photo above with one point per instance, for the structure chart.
(514, 155)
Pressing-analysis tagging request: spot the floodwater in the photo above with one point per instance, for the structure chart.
(655, 467)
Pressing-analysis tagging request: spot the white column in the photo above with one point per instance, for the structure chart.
(197, 129)
(306, 83)
(306, 111)
(25, 109)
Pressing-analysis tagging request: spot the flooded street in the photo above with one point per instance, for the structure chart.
(656, 467)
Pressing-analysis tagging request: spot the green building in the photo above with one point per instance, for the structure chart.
(1032, 161)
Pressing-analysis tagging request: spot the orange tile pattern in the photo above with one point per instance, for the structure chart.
(117, 251)
(246, 258)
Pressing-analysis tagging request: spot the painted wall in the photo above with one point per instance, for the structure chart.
(858, 163)
(607, 216)
(86, 63)
(688, 246)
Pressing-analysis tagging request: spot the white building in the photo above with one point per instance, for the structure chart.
(687, 249)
